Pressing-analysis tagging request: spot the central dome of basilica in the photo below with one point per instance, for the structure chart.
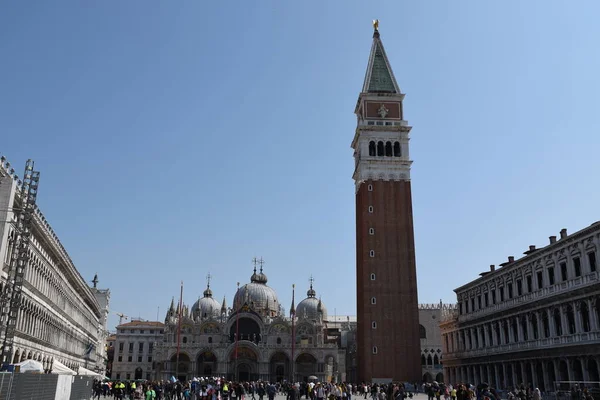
(257, 295)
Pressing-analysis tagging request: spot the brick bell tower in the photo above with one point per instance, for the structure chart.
(386, 281)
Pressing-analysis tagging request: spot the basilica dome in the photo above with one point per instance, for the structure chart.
(311, 308)
(206, 306)
(257, 295)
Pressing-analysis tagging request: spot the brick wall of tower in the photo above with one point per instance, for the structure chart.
(394, 288)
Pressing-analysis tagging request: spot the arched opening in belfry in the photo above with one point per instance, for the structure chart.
(397, 152)
(380, 148)
(388, 149)
(372, 150)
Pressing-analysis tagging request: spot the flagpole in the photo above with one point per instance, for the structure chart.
(293, 315)
(237, 333)
(179, 330)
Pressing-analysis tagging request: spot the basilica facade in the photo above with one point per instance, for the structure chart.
(255, 339)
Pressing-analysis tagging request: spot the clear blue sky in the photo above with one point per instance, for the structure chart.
(180, 138)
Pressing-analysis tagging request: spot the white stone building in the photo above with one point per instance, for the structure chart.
(533, 321)
(430, 316)
(60, 316)
(134, 349)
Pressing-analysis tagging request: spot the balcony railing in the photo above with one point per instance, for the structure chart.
(536, 344)
(541, 294)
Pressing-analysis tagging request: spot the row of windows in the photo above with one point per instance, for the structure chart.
(141, 331)
(140, 347)
(386, 149)
(130, 359)
(128, 376)
(502, 293)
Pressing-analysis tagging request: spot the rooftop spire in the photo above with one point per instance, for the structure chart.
(311, 292)
(223, 306)
(379, 77)
(208, 292)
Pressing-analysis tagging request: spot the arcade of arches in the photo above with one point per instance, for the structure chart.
(540, 373)
(47, 361)
(247, 366)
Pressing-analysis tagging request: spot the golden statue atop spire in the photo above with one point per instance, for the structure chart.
(376, 24)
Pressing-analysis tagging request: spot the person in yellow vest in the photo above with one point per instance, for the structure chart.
(225, 390)
(119, 390)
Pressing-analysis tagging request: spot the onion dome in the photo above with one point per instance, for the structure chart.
(257, 295)
(311, 307)
(206, 306)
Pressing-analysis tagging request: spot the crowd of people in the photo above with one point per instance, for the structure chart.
(221, 389)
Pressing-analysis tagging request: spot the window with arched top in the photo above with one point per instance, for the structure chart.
(184, 339)
(423, 361)
(422, 332)
(373, 300)
(397, 152)
(374, 349)
(372, 277)
(380, 148)
(278, 340)
(372, 150)
(436, 360)
(210, 339)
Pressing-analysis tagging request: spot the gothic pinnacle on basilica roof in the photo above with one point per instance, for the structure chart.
(172, 308)
(379, 77)
(224, 306)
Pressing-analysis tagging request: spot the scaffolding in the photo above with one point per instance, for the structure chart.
(19, 259)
